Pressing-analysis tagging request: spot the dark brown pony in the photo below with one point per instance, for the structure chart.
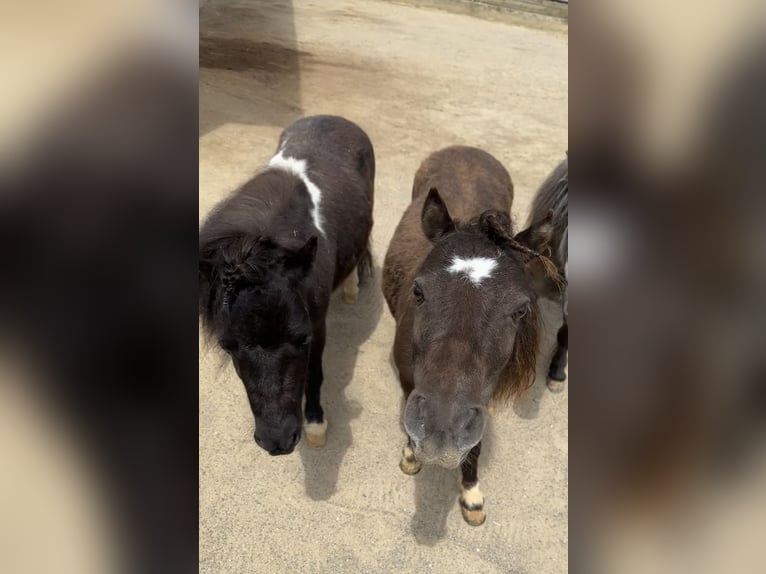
(460, 285)
(269, 258)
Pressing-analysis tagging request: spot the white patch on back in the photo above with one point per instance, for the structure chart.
(297, 167)
(475, 268)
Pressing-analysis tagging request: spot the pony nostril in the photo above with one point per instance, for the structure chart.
(415, 417)
(295, 438)
(475, 418)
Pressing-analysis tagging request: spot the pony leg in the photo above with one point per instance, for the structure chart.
(471, 497)
(559, 362)
(351, 287)
(316, 426)
(408, 463)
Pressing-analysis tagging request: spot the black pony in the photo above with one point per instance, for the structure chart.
(269, 258)
(553, 198)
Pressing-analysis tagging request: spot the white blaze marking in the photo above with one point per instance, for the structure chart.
(476, 268)
(297, 167)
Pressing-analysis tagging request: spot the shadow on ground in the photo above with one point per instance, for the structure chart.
(436, 494)
(250, 71)
(436, 489)
(348, 327)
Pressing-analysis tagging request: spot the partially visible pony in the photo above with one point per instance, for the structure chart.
(552, 200)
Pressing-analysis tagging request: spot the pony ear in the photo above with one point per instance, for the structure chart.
(538, 236)
(435, 219)
(299, 262)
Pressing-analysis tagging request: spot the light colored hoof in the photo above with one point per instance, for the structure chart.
(473, 517)
(410, 468)
(556, 386)
(472, 505)
(316, 434)
(408, 463)
(351, 288)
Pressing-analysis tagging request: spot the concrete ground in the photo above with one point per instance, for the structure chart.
(416, 80)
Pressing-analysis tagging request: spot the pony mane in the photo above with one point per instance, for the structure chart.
(225, 264)
(521, 369)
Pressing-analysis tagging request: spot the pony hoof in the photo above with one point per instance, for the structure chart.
(408, 463)
(555, 386)
(472, 505)
(316, 434)
(351, 288)
(474, 517)
(410, 468)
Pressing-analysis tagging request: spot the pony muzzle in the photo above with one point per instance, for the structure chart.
(442, 432)
(278, 439)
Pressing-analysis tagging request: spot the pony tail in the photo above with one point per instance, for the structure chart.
(365, 266)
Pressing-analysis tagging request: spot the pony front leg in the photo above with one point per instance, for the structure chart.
(408, 463)
(351, 287)
(471, 497)
(556, 372)
(316, 426)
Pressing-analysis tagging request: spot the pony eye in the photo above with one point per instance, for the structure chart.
(519, 313)
(417, 291)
